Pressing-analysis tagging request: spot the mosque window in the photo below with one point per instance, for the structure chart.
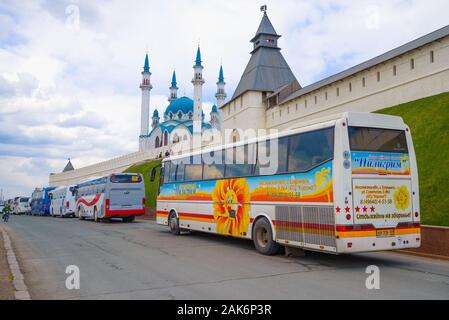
(395, 71)
(412, 63)
(338, 92)
(165, 138)
(316, 100)
(432, 57)
(179, 114)
(350, 86)
(378, 76)
(364, 82)
(325, 95)
(190, 115)
(156, 143)
(170, 115)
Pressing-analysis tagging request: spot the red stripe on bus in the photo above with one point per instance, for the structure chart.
(195, 215)
(91, 203)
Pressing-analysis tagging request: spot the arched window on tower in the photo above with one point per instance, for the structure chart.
(165, 138)
(156, 142)
(176, 138)
(190, 115)
(179, 114)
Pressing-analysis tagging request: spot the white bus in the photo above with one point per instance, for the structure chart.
(119, 195)
(342, 184)
(63, 201)
(20, 205)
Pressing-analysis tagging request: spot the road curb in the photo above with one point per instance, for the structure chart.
(18, 282)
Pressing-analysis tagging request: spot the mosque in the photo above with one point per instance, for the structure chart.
(180, 116)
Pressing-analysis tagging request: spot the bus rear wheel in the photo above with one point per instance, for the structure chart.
(263, 238)
(173, 223)
(128, 219)
(79, 213)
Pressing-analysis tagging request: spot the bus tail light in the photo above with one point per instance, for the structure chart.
(143, 202)
(67, 205)
(108, 203)
(349, 244)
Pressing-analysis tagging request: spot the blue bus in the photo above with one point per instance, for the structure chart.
(40, 201)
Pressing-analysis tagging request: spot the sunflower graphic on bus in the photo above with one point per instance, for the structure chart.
(231, 206)
(402, 198)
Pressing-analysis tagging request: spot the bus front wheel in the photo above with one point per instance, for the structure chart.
(173, 222)
(263, 238)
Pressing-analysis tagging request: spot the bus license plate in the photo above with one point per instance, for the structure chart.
(385, 233)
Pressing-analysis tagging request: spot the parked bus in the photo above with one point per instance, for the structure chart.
(40, 201)
(63, 201)
(20, 205)
(114, 196)
(342, 184)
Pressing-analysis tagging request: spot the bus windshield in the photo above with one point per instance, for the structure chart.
(377, 140)
(125, 178)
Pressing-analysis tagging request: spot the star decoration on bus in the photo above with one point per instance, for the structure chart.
(365, 209)
(338, 209)
(357, 209)
(347, 209)
(372, 209)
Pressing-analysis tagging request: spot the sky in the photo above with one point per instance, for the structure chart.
(70, 69)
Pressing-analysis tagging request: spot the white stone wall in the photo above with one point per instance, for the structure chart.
(246, 111)
(425, 79)
(115, 165)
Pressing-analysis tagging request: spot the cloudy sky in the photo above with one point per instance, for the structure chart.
(70, 69)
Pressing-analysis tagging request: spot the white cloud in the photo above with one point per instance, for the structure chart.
(73, 92)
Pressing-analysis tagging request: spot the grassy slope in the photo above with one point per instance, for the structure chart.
(428, 120)
(150, 187)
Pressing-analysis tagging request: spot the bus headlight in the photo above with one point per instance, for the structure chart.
(346, 164)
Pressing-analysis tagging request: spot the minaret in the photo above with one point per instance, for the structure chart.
(155, 118)
(145, 107)
(198, 82)
(173, 88)
(220, 95)
(214, 118)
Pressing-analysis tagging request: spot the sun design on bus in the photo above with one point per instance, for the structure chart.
(231, 206)
(321, 179)
(402, 198)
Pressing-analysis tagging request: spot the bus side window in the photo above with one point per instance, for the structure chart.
(213, 165)
(165, 174)
(307, 150)
(173, 168)
(180, 170)
(194, 169)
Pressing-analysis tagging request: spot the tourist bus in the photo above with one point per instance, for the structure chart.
(20, 205)
(115, 196)
(342, 184)
(40, 201)
(63, 201)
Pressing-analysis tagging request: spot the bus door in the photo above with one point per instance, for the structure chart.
(381, 180)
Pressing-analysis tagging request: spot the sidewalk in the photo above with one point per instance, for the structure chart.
(6, 287)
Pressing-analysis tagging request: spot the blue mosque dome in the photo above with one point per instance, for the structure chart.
(183, 104)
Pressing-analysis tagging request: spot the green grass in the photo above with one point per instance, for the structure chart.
(150, 186)
(428, 120)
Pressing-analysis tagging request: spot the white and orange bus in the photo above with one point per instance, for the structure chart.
(343, 184)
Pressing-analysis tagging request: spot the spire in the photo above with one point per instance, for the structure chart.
(173, 80)
(265, 27)
(68, 167)
(220, 75)
(146, 67)
(267, 69)
(198, 58)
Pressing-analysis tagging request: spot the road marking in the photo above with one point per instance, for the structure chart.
(21, 292)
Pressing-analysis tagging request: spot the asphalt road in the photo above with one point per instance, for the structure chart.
(142, 260)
